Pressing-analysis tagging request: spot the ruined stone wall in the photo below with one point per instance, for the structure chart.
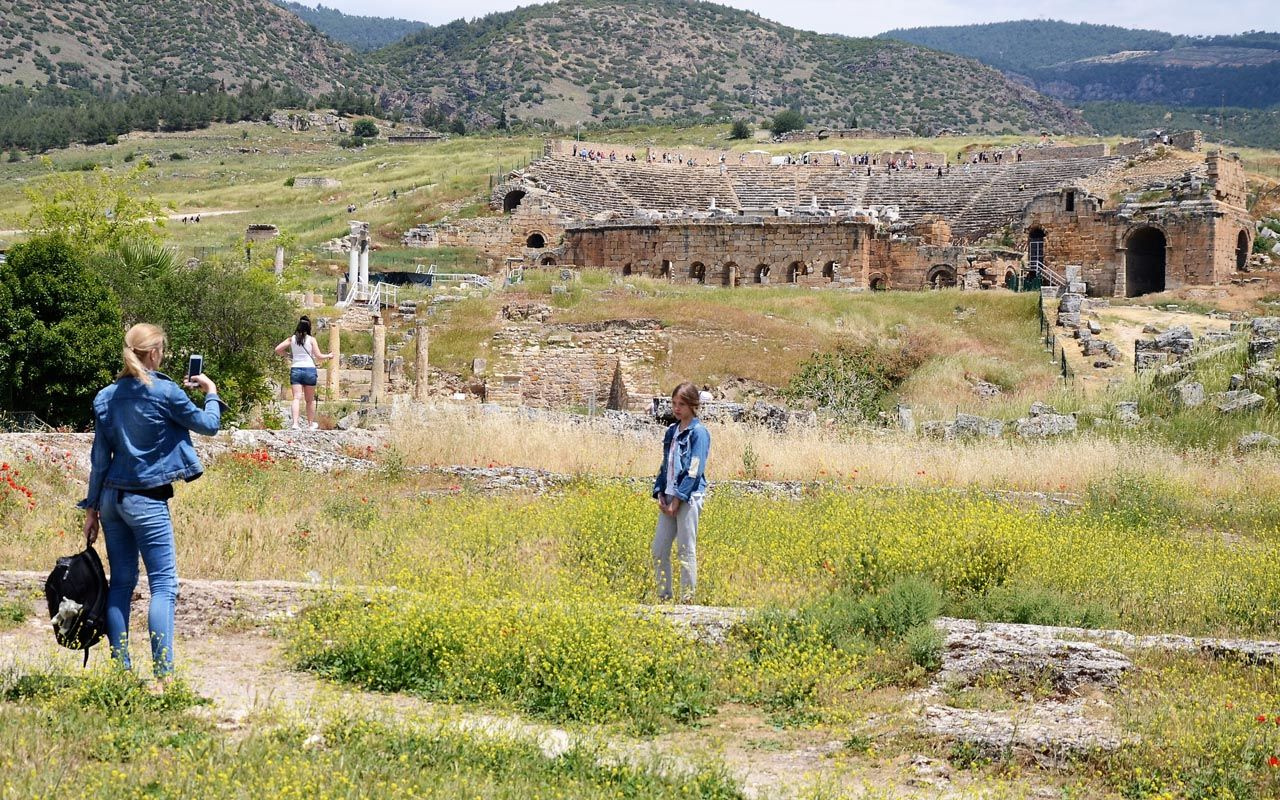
(1226, 173)
(1130, 149)
(1052, 153)
(553, 366)
(1188, 140)
(1201, 238)
(496, 237)
(729, 252)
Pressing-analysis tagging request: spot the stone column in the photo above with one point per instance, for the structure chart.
(422, 371)
(353, 266)
(279, 261)
(364, 263)
(335, 364)
(378, 382)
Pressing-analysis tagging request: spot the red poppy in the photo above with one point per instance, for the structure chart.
(1273, 761)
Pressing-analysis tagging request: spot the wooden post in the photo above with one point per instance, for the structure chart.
(378, 382)
(334, 374)
(420, 384)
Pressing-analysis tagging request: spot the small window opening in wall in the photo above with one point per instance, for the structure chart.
(626, 269)
(536, 241)
(1071, 201)
(666, 270)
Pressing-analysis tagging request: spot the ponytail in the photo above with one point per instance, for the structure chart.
(140, 340)
(303, 330)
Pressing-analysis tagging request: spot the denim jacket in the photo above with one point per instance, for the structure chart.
(694, 445)
(141, 435)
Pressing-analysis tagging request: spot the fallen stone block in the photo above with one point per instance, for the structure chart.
(1187, 395)
(1238, 402)
(1257, 440)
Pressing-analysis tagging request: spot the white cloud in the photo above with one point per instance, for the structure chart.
(868, 19)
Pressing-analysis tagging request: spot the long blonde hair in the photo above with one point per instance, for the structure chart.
(141, 339)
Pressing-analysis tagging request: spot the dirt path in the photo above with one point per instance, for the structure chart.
(228, 653)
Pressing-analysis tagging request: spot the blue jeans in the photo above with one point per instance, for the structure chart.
(134, 525)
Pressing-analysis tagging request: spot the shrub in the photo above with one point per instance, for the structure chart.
(853, 381)
(740, 130)
(923, 645)
(566, 657)
(365, 129)
(1034, 606)
(786, 121)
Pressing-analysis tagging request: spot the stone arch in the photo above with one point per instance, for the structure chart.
(1011, 279)
(729, 274)
(626, 269)
(698, 272)
(830, 269)
(665, 270)
(762, 273)
(536, 240)
(941, 276)
(1144, 261)
(548, 261)
(1242, 250)
(795, 270)
(877, 282)
(511, 201)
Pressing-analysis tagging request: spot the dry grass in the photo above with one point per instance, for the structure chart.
(458, 435)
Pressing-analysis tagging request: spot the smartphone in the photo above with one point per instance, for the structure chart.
(195, 366)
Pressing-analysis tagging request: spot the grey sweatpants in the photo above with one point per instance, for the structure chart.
(682, 529)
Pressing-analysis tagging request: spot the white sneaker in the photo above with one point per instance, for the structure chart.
(315, 426)
(297, 426)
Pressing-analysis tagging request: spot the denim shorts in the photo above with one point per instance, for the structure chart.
(302, 376)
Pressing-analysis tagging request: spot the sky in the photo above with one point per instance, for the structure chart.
(855, 18)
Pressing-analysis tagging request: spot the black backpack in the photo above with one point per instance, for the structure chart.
(76, 591)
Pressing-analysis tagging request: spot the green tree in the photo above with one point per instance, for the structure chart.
(365, 129)
(740, 130)
(786, 121)
(93, 210)
(60, 332)
(229, 313)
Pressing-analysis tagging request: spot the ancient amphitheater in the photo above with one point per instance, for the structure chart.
(901, 220)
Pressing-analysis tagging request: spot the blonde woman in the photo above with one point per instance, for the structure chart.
(679, 489)
(141, 444)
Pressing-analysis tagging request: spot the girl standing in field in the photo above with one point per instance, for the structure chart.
(141, 444)
(679, 489)
(304, 353)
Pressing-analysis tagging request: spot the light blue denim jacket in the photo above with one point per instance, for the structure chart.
(141, 435)
(694, 444)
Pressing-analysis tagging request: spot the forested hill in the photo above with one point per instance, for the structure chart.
(1028, 45)
(166, 45)
(357, 32)
(1082, 63)
(628, 61)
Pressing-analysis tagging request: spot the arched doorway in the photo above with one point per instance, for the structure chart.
(829, 271)
(762, 273)
(878, 283)
(941, 276)
(536, 240)
(626, 269)
(664, 271)
(698, 272)
(548, 261)
(512, 200)
(729, 275)
(794, 271)
(1144, 262)
(1242, 251)
(1035, 249)
(1011, 280)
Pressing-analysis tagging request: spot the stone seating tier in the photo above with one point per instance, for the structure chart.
(975, 203)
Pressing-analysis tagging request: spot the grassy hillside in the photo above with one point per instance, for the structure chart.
(357, 32)
(131, 45)
(619, 62)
